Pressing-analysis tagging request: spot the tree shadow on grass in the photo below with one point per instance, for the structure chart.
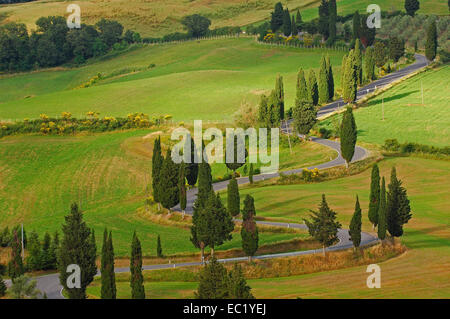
(391, 98)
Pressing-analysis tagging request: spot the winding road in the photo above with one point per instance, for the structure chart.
(50, 283)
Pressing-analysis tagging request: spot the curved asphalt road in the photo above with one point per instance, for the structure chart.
(50, 283)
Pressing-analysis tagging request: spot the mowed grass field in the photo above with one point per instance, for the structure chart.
(421, 272)
(109, 176)
(206, 80)
(160, 17)
(405, 117)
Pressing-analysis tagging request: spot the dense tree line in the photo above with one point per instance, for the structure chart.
(53, 43)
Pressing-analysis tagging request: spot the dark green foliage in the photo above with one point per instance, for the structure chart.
(323, 226)
(369, 64)
(212, 281)
(15, 265)
(298, 21)
(159, 251)
(380, 53)
(374, 200)
(348, 135)
(332, 9)
(396, 48)
(220, 223)
(279, 91)
(250, 174)
(204, 184)
(34, 260)
(411, 6)
(330, 79)
(277, 17)
(432, 43)
(263, 111)
(46, 252)
(305, 116)
(271, 109)
(294, 29)
(110, 31)
(324, 81)
(398, 211)
(182, 186)
(192, 167)
(137, 280)
(287, 27)
(343, 68)
(233, 198)
(168, 183)
(108, 290)
(196, 25)
(2, 287)
(313, 90)
(324, 23)
(358, 61)
(356, 25)
(157, 162)
(14, 47)
(350, 78)
(302, 88)
(237, 284)
(77, 247)
(249, 231)
(382, 212)
(355, 225)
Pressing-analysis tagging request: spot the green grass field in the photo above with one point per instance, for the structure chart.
(422, 272)
(197, 80)
(108, 174)
(160, 17)
(405, 118)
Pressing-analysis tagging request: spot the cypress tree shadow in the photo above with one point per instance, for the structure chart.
(391, 98)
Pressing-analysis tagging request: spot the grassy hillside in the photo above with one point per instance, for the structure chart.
(159, 17)
(196, 80)
(108, 174)
(405, 118)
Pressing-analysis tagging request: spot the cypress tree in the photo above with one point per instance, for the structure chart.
(287, 27)
(233, 198)
(294, 30)
(168, 183)
(221, 223)
(249, 230)
(374, 195)
(369, 64)
(305, 116)
(348, 134)
(398, 211)
(356, 25)
(277, 17)
(357, 54)
(343, 69)
(159, 251)
(182, 187)
(323, 226)
(279, 91)
(54, 248)
(431, 44)
(330, 79)
(250, 174)
(237, 284)
(355, 225)
(263, 111)
(350, 80)
(302, 88)
(46, 254)
(15, 265)
(382, 223)
(324, 27)
(299, 21)
(191, 169)
(157, 161)
(212, 281)
(137, 280)
(324, 91)
(34, 259)
(332, 8)
(204, 183)
(108, 290)
(77, 247)
(313, 90)
(379, 53)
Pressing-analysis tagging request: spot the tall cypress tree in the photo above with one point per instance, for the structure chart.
(287, 27)
(168, 183)
(330, 79)
(46, 252)
(77, 247)
(191, 169)
(15, 265)
(299, 21)
(137, 280)
(34, 259)
(355, 225)
(348, 134)
(369, 64)
(250, 174)
(382, 222)
(374, 200)
(237, 284)
(313, 90)
(323, 226)
(159, 251)
(332, 8)
(350, 80)
(279, 91)
(356, 25)
(108, 290)
(305, 116)
(182, 187)
(221, 223)
(157, 161)
(398, 211)
(294, 30)
(324, 91)
(358, 61)
(233, 198)
(263, 111)
(431, 44)
(302, 88)
(212, 281)
(249, 230)
(277, 17)
(343, 69)
(324, 19)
